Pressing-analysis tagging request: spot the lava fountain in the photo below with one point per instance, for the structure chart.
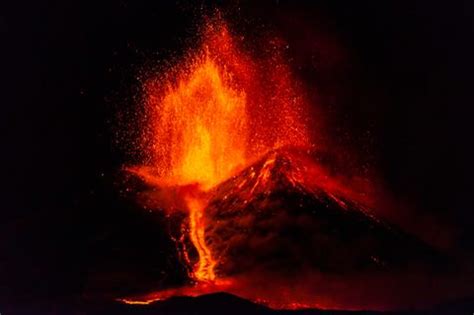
(209, 116)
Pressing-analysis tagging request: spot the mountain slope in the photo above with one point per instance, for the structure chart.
(277, 215)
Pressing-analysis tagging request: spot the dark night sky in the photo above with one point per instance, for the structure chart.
(68, 68)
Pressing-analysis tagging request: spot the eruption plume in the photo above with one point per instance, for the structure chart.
(209, 116)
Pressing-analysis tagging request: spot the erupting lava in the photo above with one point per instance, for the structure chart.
(209, 116)
(262, 213)
(267, 217)
(201, 126)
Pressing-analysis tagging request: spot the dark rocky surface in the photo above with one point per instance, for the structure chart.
(269, 217)
(218, 303)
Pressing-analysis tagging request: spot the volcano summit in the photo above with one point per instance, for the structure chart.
(276, 215)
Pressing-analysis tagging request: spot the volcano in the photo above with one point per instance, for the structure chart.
(285, 222)
(227, 149)
(275, 215)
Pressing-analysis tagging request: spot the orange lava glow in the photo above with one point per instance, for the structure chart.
(204, 270)
(209, 116)
(201, 130)
(200, 133)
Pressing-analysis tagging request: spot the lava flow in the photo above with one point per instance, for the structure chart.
(204, 270)
(208, 117)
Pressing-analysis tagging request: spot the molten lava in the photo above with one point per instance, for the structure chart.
(201, 126)
(209, 116)
(204, 270)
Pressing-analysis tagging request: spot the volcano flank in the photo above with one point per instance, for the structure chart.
(275, 216)
(285, 222)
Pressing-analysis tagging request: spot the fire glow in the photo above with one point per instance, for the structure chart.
(209, 117)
